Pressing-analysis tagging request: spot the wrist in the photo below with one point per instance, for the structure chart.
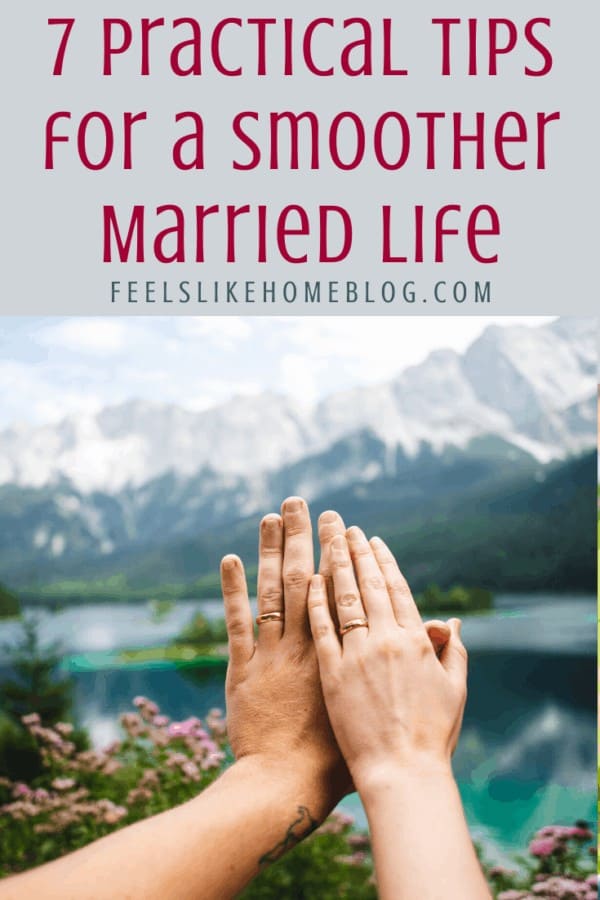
(381, 777)
(292, 782)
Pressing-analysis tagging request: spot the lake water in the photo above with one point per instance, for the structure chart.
(527, 755)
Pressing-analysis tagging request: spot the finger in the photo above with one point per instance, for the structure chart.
(322, 627)
(439, 634)
(347, 597)
(405, 608)
(269, 585)
(371, 582)
(298, 564)
(454, 655)
(330, 525)
(238, 615)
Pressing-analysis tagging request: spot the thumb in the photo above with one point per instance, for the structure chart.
(439, 634)
(454, 655)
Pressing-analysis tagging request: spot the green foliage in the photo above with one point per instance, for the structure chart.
(19, 754)
(326, 866)
(458, 600)
(482, 521)
(34, 686)
(10, 608)
(561, 863)
(202, 632)
(80, 796)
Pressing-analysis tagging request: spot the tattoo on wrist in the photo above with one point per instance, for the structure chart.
(300, 828)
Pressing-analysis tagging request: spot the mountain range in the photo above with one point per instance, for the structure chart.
(137, 487)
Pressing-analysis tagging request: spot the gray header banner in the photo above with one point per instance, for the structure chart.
(418, 191)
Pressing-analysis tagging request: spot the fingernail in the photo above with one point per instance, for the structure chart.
(377, 542)
(270, 520)
(316, 583)
(356, 534)
(229, 563)
(328, 517)
(293, 504)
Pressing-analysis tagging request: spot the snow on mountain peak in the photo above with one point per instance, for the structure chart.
(534, 387)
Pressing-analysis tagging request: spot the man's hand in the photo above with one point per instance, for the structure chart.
(275, 709)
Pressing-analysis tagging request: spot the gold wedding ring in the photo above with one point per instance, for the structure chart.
(269, 617)
(352, 624)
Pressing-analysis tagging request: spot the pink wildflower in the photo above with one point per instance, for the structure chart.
(561, 887)
(212, 761)
(64, 728)
(21, 790)
(359, 841)
(181, 729)
(542, 846)
(190, 770)
(31, 719)
(161, 721)
(139, 795)
(337, 823)
(147, 708)
(63, 784)
(114, 814)
(112, 748)
(150, 778)
(133, 724)
(356, 859)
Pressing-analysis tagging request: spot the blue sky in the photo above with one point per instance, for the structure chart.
(52, 367)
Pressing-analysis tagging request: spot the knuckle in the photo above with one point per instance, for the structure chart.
(293, 529)
(320, 632)
(397, 586)
(388, 646)
(295, 576)
(270, 551)
(359, 550)
(362, 663)
(271, 595)
(345, 600)
(375, 582)
(236, 627)
(423, 642)
(340, 562)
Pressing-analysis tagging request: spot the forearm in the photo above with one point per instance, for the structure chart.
(210, 847)
(421, 843)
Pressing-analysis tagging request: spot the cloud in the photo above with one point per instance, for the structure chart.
(31, 395)
(371, 349)
(300, 378)
(52, 368)
(225, 333)
(95, 337)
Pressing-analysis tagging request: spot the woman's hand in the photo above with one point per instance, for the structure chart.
(393, 704)
(396, 709)
(275, 710)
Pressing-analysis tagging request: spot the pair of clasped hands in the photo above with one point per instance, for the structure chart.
(344, 687)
